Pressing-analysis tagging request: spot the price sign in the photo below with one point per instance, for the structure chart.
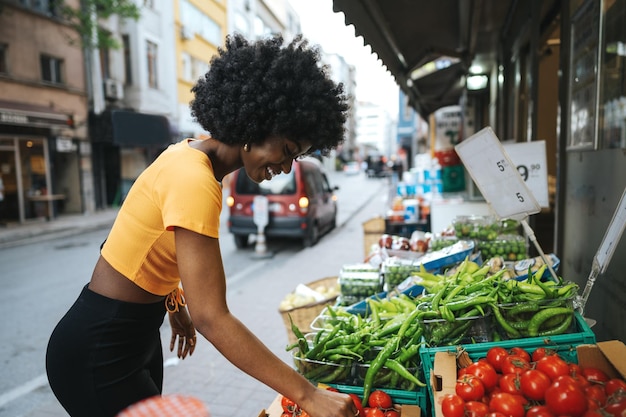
(260, 212)
(530, 161)
(496, 176)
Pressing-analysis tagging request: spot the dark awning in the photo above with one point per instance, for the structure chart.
(406, 34)
(26, 114)
(140, 129)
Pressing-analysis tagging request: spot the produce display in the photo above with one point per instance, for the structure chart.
(305, 295)
(533, 383)
(476, 227)
(395, 270)
(510, 247)
(359, 281)
(379, 404)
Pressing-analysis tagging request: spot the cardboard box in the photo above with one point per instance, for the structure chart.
(607, 356)
(275, 409)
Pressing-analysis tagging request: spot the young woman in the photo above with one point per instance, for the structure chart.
(265, 104)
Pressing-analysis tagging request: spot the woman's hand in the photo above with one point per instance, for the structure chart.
(327, 403)
(182, 327)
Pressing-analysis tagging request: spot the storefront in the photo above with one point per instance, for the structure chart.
(39, 164)
(124, 143)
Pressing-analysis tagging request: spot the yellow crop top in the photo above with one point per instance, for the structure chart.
(178, 189)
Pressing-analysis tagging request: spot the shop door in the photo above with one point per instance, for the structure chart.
(35, 182)
(9, 202)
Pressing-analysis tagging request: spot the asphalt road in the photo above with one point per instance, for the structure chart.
(40, 280)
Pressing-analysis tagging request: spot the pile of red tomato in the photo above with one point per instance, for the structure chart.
(516, 383)
(379, 404)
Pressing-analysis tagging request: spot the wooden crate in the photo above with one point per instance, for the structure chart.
(372, 230)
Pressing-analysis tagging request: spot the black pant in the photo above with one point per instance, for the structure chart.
(105, 355)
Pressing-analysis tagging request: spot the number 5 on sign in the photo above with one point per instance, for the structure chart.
(496, 176)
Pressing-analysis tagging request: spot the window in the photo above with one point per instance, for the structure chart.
(152, 56)
(193, 68)
(3, 58)
(105, 62)
(51, 69)
(48, 7)
(128, 68)
(193, 18)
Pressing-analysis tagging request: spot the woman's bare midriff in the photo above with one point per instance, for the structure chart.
(108, 282)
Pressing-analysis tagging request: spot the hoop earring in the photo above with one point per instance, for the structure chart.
(246, 147)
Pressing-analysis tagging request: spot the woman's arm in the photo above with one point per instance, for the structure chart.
(204, 283)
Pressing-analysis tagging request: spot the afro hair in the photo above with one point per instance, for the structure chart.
(254, 90)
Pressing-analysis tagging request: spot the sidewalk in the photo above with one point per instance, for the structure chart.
(63, 225)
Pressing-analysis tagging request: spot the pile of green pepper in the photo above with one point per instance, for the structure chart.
(381, 349)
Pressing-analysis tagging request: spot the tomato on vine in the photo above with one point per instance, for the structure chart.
(469, 388)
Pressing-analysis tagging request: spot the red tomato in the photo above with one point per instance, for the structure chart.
(518, 351)
(476, 409)
(494, 414)
(534, 383)
(288, 405)
(539, 411)
(380, 399)
(616, 408)
(469, 388)
(613, 385)
(540, 352)
(510, 383)
(392, 413)
(565, 397)
(495, 356)
(594, 374)
(453, 406)
(553, 366)
(514, 364)
(485, 372)
(507, 404)
(594, 413)
(375, 412)
(357, 402)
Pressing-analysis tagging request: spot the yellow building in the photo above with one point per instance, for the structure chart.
(201, 27)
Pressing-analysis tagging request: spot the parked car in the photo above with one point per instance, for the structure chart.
(302, 204)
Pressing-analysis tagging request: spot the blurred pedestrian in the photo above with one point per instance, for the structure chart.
(264, 104)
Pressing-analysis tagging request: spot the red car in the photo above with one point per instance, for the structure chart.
(302, 204)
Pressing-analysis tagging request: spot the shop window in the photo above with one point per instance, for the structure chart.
(152, 56)
(3, 59)
(51, 69)
(128, 68)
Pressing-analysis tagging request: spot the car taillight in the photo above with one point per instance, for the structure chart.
(303, 203)
(230, 201)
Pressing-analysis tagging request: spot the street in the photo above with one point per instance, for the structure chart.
(41, 280)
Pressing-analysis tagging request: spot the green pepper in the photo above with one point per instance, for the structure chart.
(539, 318)
(376, 365)
(395, 366)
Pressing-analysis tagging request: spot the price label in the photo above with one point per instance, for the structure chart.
(260, 212)
(496, 176)
(530, 160)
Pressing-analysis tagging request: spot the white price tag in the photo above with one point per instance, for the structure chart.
(260, 212)
(496, 176)
(531, 163)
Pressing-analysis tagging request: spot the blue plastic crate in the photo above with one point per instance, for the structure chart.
(564, 344)
(418, 397)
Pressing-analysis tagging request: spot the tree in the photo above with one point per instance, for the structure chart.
(85, 20)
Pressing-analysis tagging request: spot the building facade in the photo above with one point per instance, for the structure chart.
(44, 149)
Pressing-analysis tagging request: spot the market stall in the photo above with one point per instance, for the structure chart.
(439, 326)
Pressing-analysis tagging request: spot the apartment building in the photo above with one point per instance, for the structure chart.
(44, 149)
